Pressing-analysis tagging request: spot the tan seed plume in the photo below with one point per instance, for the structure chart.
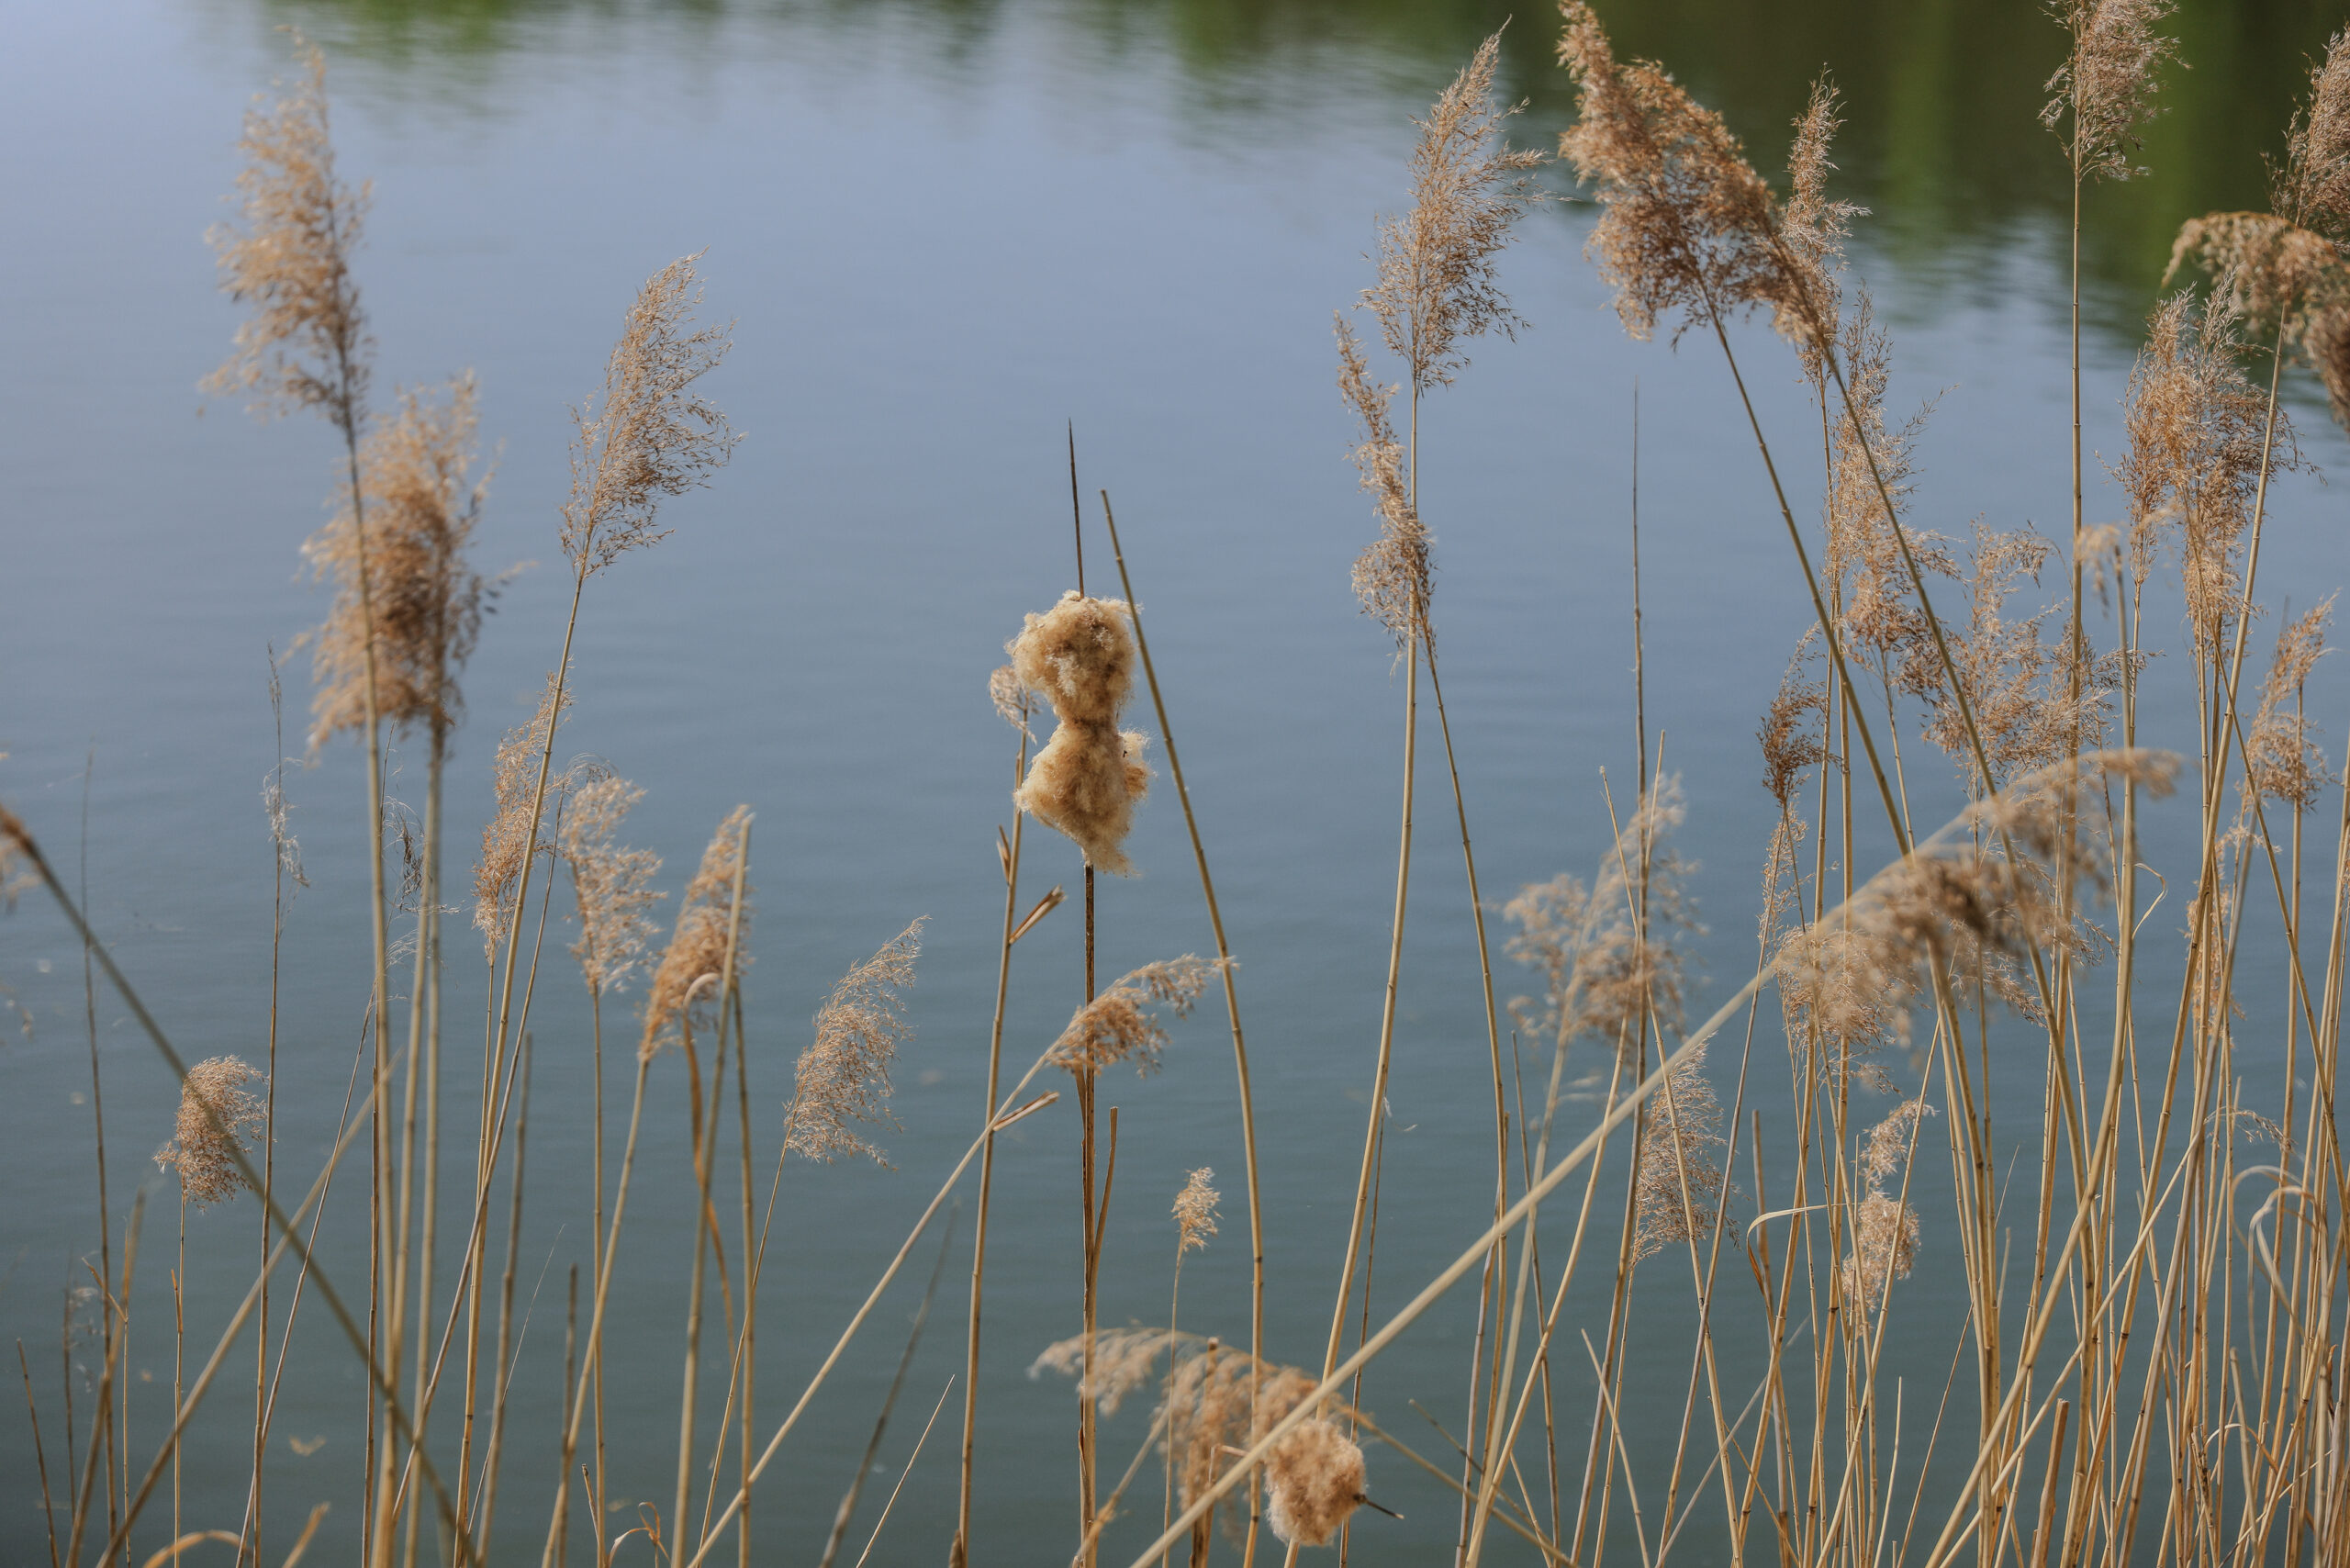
(1394, 576)
(509, 840)
(1436, 279)
(2285, 762)
(1315, 1479)
(697, 945)
(614, 884)
(1196, 1212)
(2107, 84)
(844, 1076)
(647, 436)
(218, 1119)
(1815, 224)
(422, 504)
(1679, 1185)
(306, 343)
(1120, 1025)
(1090, 775)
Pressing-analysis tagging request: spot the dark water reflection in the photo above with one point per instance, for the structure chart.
(1942, 139)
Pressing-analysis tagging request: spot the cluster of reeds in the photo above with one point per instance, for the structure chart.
(2153, 1335)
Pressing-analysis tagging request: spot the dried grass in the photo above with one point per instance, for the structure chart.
(305, 345)
(844, 1076)
(1120, 1025)
(615, 885)
(218, 1119)
(422, 502)
(1196, 1212)
(647, 436)
(511, 837)
(2107, 84)
(698, 946)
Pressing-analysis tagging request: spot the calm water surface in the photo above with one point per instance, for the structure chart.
(941, 230)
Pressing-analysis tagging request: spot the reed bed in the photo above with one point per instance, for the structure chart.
(2153, 1271)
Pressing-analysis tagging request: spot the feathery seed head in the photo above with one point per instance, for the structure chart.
(306, 343)
(614, 885)
(1013, 703)
(1678, 1182)
(511, 837)
(648, 435)
(2107, 82)
(218, 1118)
(2317, 163)
(1815, 225)
(1196, 1212)
(1315, 1479)
(1090, 775)
(1884, 1247)
(700, 947)
(1686, 223)
(844, 1076)
(1118, 1026)
(422, 506)
(2284, 760)
(1394, 576)
(1790, 734)
(1437, 282)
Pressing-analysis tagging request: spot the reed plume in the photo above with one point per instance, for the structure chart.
(615, 885)
(647, 436)
(844, 1076)
(1884, 1226)
(1090, 775)
(1882, 618)
(1678, 1183)
(305, 345)
(1394, 576)
(1792, 734)
(218, 1119)
(1686, 223)
(1195, 1214)
(1611, 957)
(2107, 84)
(2284, 761)
(1815, 225)
(698, 947)
(1120, 1025)
(422, 507)
(1436, 280)
(511, 837)
(2194, 463)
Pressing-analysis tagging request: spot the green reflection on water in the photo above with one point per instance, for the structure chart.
(1942, 140)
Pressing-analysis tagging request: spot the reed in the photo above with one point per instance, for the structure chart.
(2148, 1258)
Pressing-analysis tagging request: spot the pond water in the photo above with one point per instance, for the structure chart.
(944, 229)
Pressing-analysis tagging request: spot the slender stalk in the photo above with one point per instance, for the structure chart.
(1231, 995)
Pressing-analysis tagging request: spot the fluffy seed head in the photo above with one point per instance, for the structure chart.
(421, 504)
(614, 885)
(1196, 1212)
(2317, 165)
(218, 1118)
(1119, 1025)
(1685, 225)
(1815, 225)
(2107, 84)
(1606, 970)
(306, 343)
(511, 837)
(844, 1076)
(1090, 775)
(1437, 282)
(1679, 1186)
(1394, 576)
(647, 436)
(1885, 1247)
(1315, 1476)
(699, 945)
(2285, 762)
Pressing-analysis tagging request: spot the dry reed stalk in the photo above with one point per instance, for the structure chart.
(1012, 704)
(1226, 970)
(305, 346)
(847, 1509)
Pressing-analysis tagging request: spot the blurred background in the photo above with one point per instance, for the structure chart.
(943, 229)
